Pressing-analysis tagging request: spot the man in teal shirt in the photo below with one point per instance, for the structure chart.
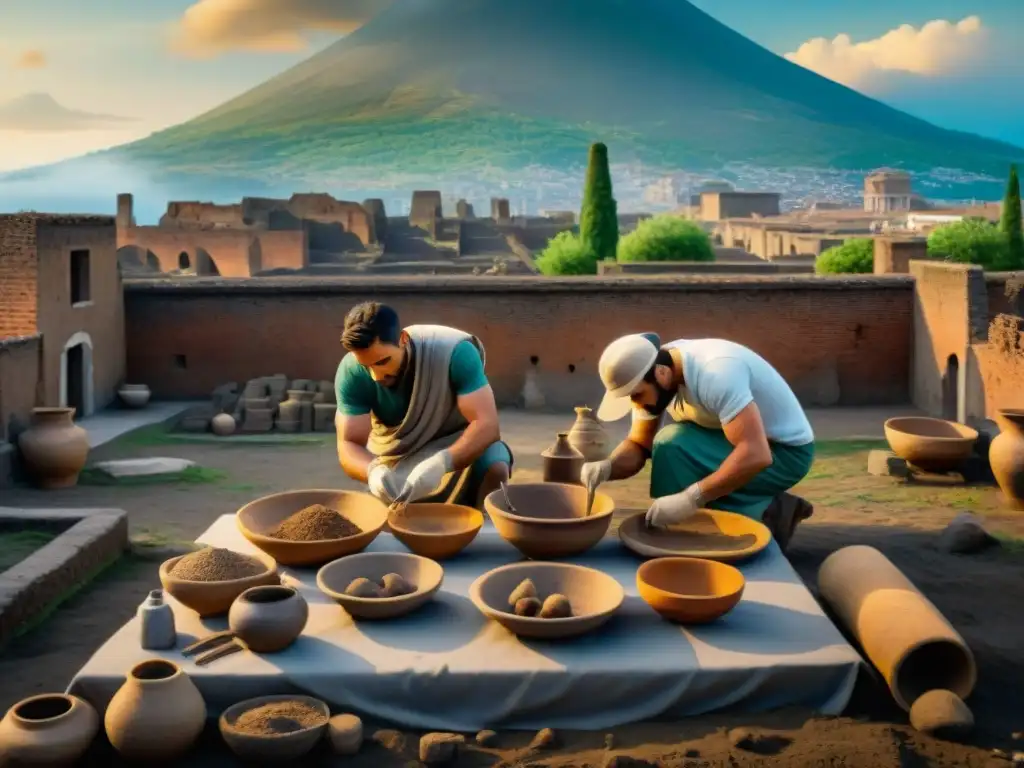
(417, 420)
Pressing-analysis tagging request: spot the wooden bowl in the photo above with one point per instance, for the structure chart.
(709, 535)
(257, 518)
(551, 518)
(437, 531)
(214, 598)
(934, 445)
(277, 747)
(594, 596)
(689, 590)
(421, 572)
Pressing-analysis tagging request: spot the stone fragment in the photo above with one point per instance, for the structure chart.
(486, 738)
(546, 738)
(390, 739)
(941, 714)
(887, 464)
(966, 535)
(258, 420)
(154, 465)
(1000, 754)
(439, 748)
(758, 741)
(256, 403)
(346, 734)
(254, 388)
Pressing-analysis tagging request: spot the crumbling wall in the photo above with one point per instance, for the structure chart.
(20, 383)
(323, 208)
(375, 207)
(196, 215)
(425, 210)
(893, 255)
(223, 252)
(1001, 364)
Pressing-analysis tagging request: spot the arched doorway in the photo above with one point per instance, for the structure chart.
(76, 374)
(951, 389)
(184, 262)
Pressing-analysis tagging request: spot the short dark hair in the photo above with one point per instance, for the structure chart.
(369, 322)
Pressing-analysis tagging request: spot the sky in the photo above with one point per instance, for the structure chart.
(155, 63)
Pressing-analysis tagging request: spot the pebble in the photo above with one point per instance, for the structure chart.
(546, 738)
(1000, 754)
(345, 733)
(757, 741)
(439, 748)
(965, 535)
(391, 740)
(486, 738)
(941, 714)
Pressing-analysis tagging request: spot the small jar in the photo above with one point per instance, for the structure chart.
(156, 621)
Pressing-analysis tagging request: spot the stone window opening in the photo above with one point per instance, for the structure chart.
(951, 389)
(81, 289)
(184, 262)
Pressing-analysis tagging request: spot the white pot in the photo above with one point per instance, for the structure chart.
(134, 395)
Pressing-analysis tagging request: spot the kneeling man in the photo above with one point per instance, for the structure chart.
(738, 438)
(416, 416)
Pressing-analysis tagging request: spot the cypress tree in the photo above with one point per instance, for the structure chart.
(599, 216)
(1010, 221)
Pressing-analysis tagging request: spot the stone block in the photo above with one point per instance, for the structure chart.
(256, 403)
(323, 417)
(225, 397)
(255, 388)
(288, 426)
(887, 464)
(258, 420)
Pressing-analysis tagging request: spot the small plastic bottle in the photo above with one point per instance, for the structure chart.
(156, 620)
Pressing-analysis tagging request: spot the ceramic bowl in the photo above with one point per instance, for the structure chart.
(437, 531)
(689, 590)
(933, 445)
(594, 596)
(257, 518)
(421, 572)
(214, 598)
(551, 519)
(710, 535)
(268, 619)
(276, 747)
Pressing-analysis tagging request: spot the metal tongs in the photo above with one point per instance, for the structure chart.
(215, 646)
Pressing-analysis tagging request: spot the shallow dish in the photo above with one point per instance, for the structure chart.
(422, 572)
(259, 517)
(594, 596)
(551, 519)
(214, 598)
(271, 747)
(710, 535)
(934, 445)
(689, 590)
(437, 531)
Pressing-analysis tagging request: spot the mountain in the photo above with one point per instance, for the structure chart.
(41, 112)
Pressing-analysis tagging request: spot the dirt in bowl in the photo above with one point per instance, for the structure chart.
(279, 717)
(693, 536)
(216, 564)
(315, 523)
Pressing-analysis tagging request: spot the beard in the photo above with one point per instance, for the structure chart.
(664, 399)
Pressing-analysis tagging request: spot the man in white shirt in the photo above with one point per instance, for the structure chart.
(738, 438)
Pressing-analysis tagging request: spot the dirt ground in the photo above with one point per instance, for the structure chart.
(981, 595)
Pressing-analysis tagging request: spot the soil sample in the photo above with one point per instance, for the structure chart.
(315, 523)
(216, 564)
(279, 717)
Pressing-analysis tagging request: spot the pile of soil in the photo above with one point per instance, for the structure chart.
(315, 523)
(278, 717)
(216, 564)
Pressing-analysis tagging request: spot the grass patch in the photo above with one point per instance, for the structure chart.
(831, 449)
(161, 434)
(188, 476)
(15, 546)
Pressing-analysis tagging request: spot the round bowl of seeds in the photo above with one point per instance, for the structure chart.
(209, 579)
(313, 527)
(274, 728)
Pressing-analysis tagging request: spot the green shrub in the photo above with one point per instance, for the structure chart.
(666, 238)
(566, 254)
(854, 257)
(971, 241)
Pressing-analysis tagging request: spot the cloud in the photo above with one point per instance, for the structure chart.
(211, 27)
(33, 59)
(938, 48)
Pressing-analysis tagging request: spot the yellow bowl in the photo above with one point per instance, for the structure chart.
(689, 590)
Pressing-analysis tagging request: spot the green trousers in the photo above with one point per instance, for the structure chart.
(685, 453)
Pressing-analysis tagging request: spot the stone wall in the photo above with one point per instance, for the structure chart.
(843, 341)
(18, 276)
(223, 252)
(893, 255)
(19, 383)
(805, 267)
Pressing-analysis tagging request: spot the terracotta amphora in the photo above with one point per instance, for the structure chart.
(55, 449)
(52, 729)
(562, 462)
(1006, 455)
(157, 714)
(588, 436)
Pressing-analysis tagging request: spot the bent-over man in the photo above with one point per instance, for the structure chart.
(738, 438)
(416, 415)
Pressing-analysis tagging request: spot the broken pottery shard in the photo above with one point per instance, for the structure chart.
(546, 738)
(966, 535)
(486, 738)
(439, 748)
(942, 714)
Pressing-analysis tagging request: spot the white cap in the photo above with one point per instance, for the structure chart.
(622, 367)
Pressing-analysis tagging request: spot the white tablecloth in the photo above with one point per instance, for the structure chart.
(446, 667)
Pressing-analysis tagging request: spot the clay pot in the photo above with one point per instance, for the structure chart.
(157, 714)
(52, 730)
(55, 449)
(134, 395)
(562, 462)
(268, 619)
(588, 436)
(223, 424)
(291, 409)
(933, 445)
(689, 590)
(1006, 455)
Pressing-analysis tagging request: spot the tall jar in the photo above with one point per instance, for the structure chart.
(157, 714)
(54, 448)
(53, 730)
(1006, 456)
(562, 463)
(588, 436)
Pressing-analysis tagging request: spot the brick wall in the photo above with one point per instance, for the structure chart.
(230, 252)
(18, 276)
(186, 337)
(19, 377)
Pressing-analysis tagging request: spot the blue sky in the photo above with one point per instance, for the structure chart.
(120, 57)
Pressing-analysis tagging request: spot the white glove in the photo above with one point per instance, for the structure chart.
(594, 473)
(425, 477)
(669, 510)
(382, 482)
